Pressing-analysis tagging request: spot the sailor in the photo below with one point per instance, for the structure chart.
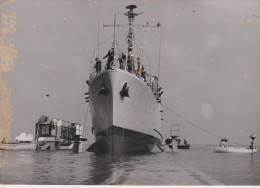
(110, 57)
(121, 62)
(98, 65)
(185, 142)
(143, 73)
(129, 64)
(123, 56)
(138, 66)
(178, 140)
(222, 143)
(124, 59)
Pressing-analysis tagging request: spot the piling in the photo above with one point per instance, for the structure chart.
(75, 148)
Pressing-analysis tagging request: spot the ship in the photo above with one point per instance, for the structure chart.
(124, 100)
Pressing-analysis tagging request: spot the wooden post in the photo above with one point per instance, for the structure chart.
(37, 137)
(75, 148)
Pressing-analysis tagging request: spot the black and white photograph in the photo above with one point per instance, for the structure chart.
(130, 92)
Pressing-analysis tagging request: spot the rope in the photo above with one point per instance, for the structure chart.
(103, 42)
(193, 124)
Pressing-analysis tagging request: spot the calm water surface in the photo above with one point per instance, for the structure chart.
(187, 167)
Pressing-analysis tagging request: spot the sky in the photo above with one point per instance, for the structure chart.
(210, 62)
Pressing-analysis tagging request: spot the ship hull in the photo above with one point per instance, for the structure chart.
(123, 124)
(117, 140)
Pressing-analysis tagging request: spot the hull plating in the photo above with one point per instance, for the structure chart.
(138, 113)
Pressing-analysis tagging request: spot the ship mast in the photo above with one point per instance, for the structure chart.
(131, 15)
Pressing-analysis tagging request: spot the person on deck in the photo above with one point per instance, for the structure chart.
(124, 60)
(110, 57)
(138, 66)
(185, 142)
(98, 65)
(129, 64)
(121, 62)
(143, 73)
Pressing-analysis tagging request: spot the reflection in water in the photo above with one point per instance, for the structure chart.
(65, 167)
(252, 162)
(53, 167)
(108, 170)
(101, 168)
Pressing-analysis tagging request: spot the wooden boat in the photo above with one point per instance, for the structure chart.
(229, 149)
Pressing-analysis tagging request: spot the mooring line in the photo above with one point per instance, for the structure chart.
(191, 123)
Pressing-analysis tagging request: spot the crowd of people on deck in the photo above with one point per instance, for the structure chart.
(125, 63)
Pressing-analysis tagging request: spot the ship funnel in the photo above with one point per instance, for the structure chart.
(103, 89)
(124, 92)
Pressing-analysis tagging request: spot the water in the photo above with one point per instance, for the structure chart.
(197, 166)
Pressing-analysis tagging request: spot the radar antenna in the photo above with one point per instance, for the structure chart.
(130, 36)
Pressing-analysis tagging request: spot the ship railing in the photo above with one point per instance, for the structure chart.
(117, 63)
(149, 80)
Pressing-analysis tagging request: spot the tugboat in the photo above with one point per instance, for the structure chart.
(124, 100)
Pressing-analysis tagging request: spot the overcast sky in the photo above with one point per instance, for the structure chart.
(210, 61)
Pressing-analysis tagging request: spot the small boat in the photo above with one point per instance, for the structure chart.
(183, 146)
(22, 142)
(230, 149)
(18, 146)
(176, 132)
(222, 148)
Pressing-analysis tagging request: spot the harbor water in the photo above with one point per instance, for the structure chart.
(197, 166)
